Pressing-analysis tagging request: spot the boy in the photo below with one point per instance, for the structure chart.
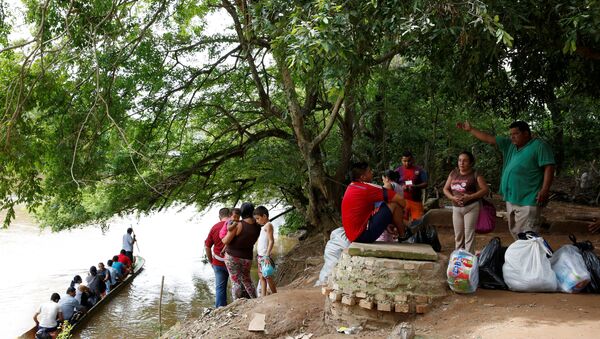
(264, 247)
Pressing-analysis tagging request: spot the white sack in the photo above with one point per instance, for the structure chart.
(526, 268)
(333, 251)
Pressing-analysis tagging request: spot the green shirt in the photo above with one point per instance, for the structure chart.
(523, 170)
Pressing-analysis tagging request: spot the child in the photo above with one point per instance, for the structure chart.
(264, 247)
(390, 179)
(233, 219)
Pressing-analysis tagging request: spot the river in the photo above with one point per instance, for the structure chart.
(37, 263)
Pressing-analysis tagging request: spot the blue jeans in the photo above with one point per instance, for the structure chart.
(221, 277)
(380, 219)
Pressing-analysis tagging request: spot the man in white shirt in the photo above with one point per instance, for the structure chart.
(49, 314)
(128, 241)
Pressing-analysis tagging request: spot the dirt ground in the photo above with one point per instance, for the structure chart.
(297, 310)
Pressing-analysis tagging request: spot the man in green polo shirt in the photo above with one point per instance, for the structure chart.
(527, 173)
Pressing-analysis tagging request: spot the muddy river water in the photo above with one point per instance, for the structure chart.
(37, 263)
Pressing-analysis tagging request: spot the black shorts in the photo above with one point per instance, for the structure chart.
(380, 219)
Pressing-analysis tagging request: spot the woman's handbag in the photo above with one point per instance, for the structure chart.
(487, 217)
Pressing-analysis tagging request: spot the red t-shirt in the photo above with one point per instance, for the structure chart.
(358, 204)
(123, 259)
(214, 241)
(416, 175)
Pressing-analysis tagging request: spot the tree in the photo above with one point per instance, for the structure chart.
(116, 106)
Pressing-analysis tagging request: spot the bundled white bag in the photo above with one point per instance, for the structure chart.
(571, 273)
(333, 250)
(526, 268)
(463, 272)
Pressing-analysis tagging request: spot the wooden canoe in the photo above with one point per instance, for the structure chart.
(138, 266)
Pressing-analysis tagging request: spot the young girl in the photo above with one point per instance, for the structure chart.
(264, 247)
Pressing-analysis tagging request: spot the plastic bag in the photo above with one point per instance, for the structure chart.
(267, 269)
(526, 268)
(491, 260)
(486, 221)
(592, 263)
(463, 272)
(424, 234)
(333, 250)
(571, 274)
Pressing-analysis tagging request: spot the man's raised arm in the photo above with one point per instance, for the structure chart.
(487, 138)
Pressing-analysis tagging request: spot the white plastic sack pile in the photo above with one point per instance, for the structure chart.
(571, 273)
(463, 272)
(333, 250)
(526, 268)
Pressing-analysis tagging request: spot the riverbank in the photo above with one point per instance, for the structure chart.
(297, 311)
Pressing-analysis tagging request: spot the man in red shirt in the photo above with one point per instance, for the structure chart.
(413, 180)
(124, 259)
(213, 246)
(368, 209)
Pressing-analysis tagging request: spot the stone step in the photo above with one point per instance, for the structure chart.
(421, 252)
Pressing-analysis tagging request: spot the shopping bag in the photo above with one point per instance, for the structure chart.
(462, 272)
(491, 260)
(592, 263)
(267, 269)
(568, 265)
(486, 221)
(526, 268)
(423, 234)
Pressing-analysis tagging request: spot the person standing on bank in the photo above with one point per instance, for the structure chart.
(465, 187)
(413, 180)
(128, 241)
(213, 246)
(527, 174)
(240, 239)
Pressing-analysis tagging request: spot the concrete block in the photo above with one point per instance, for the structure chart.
(348, 300)
(361, 295)
(422, 308)
(401, 298)
(381, 297)
(384, 306)
(422, 299)
(426, 266)
(402, 308)
(335, 296)
(392, 263)
(410, 267)
(366, 303)
(394, 251)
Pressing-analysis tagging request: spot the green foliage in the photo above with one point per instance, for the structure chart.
(65, 333)
(294, 221)
(118, 107)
